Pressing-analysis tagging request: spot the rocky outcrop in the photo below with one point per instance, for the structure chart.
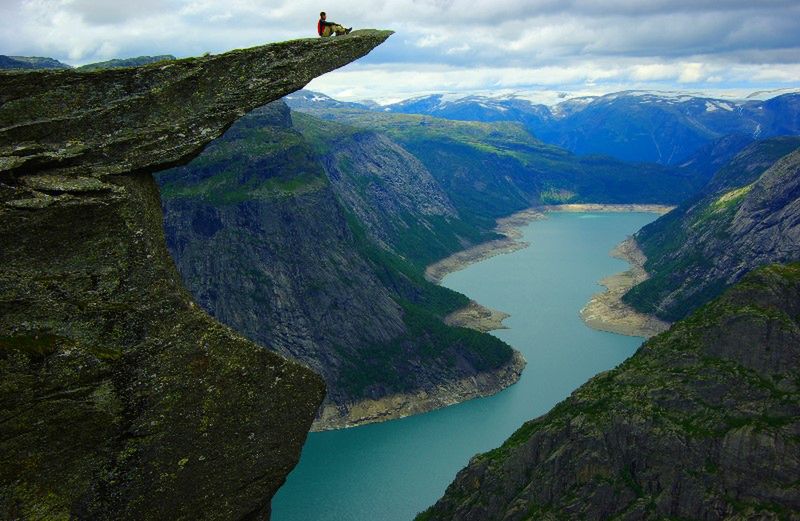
(701, 423)
(748, 216)
(145, 119)
(121, 399)
(282, 242)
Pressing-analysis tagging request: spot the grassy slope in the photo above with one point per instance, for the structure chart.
(493, 169)
(677, 245)
(421, 240)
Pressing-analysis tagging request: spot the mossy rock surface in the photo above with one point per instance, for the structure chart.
(701, 423)
(119, 397)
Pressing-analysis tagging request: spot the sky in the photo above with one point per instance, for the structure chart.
(728, 47)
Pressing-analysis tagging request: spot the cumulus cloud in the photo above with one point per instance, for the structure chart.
(449, 43)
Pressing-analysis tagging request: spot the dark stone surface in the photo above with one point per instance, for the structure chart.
(119, 397)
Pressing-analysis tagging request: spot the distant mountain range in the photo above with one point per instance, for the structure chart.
(306, 99)
(30, 62)
(33, 63)
(641, 126)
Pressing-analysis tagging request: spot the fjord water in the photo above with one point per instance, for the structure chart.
(392, 470)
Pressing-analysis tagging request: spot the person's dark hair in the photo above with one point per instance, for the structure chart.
(322, 14)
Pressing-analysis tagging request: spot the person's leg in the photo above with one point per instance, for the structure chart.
(327, 30)
(340, 30)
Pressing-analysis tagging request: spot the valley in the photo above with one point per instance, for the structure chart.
(393, 470)
(203, 264)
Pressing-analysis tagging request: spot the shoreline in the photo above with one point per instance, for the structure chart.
(481, 318)
(660, 209)
(507, 226)
(401, 405)
(478, 317)
(606, 311)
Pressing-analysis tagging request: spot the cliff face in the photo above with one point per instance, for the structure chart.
(748, 216)
(147, 118)
(394, 196)
(120, 399)
(286, 244)
(701, 423)
(490, 170)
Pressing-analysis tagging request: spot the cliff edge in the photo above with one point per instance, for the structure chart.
(119, 398)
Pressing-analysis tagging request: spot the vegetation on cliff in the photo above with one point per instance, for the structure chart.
(701, 423)
(746, 217)
(490, 170)
(283, 243)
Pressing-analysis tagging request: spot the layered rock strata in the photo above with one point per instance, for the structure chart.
(120, 399)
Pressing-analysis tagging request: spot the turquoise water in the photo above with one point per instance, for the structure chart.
(392, 470)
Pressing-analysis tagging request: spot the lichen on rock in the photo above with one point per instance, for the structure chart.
(119, 397)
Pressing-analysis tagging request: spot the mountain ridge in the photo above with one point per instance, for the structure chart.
(652, 126)
(745, 217)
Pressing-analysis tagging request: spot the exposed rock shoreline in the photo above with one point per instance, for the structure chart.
(506, 226)
(474, 316)
(477, 317)
(401, 405)
(509, 227)
(607, 312)
(612, 208)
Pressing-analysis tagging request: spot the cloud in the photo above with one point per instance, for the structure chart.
(104, 12)
(682, 42)
(358, 81)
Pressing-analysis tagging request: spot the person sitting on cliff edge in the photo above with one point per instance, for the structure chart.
(325, 28)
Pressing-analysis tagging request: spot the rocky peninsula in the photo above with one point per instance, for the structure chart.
(607, 312)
